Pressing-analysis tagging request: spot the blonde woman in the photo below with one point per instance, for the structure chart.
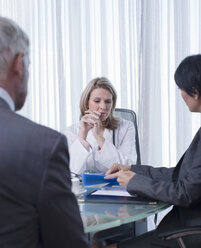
(99, 139)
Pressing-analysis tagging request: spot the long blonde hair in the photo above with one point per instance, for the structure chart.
(111, 122)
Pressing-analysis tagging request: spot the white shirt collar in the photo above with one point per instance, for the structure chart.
(4, 94)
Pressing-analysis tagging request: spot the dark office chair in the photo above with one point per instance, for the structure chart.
(179, 234)
(130, 115)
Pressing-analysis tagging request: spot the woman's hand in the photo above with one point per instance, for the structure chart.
(123, 177)
(91, 120)
(117, 167)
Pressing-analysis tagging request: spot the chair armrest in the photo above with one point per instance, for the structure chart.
(180, 233)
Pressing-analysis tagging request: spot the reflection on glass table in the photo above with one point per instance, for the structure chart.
(101, 216)
(95, 223)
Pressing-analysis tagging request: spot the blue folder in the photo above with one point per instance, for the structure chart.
(92, 179)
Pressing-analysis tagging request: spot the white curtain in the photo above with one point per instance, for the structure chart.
(137, 44)
(170, 32)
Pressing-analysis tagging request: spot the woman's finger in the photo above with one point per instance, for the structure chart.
(114, 168)
(111, 176)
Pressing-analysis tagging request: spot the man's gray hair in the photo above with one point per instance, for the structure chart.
(13, 40)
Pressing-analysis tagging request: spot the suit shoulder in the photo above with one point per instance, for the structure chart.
(29, 126)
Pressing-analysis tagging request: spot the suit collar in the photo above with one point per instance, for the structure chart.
(4, 104)
(6, 97)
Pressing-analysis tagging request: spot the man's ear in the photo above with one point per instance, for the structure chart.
(18, 64)
(196, 94)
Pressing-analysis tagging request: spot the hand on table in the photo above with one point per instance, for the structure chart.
(117, 167)
(123, 177)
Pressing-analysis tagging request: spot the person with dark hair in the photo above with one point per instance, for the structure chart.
(37, 207)
(179, 186)
(99, 139)
(188, 76)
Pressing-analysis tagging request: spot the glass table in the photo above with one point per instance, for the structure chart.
(101, 216)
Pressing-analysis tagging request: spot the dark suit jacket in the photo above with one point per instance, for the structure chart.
(180, 186)
(37, 207)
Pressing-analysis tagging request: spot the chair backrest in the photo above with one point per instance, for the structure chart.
(130, 115)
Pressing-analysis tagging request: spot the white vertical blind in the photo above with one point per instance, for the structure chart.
(137, 44)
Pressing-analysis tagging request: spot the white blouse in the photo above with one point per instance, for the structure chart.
(94, 160)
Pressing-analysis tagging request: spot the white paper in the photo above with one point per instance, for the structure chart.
(112, 191)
